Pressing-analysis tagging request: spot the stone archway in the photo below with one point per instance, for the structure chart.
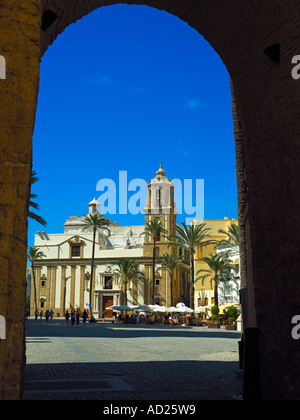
(256, 41)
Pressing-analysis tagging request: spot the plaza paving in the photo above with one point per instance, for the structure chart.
(107, 361)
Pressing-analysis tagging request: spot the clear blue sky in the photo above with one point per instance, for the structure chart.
(121, 90)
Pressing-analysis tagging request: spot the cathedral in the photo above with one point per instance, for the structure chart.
(63, 275)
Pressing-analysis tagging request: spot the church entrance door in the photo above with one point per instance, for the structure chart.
(108, 301)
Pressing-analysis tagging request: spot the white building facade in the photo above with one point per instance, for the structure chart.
(66, 268)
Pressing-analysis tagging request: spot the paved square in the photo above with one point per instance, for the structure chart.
(107, 361)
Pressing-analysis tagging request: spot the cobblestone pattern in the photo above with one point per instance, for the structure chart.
(159, 363)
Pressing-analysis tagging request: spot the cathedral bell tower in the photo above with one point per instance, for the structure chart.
(159, 205)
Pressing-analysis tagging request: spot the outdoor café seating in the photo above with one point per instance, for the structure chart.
(157, 315)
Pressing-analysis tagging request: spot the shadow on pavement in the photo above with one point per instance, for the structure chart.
(58, 328)
(153, 380)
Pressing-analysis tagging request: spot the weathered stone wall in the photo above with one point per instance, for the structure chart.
(268, 106)
(20, 45)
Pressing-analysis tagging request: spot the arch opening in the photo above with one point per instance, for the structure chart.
(98, 85)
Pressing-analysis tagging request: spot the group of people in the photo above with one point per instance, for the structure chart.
(167, 319)
(138, 318)
(75, 317)
(48, 314)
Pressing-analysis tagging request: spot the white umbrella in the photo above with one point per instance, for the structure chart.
(120, 308)
(180, 305)
(162, 309)
(154, 308)
(158, 308)
(201, 309)
(126, 308)
(185, 310)
(172, 309)
(182, 308)
(142, 308)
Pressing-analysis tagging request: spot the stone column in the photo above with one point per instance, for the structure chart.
(81, 299)
(53, 287)
(48, 287)
(32, 303)
(72, 290)
(62, 285)
(38, 287)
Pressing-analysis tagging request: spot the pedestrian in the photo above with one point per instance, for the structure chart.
(77, 318)
(72, 317)
(41, 315)
(84, 316)
(47, 315)
(67, 315)
(51, 315)
(36, 314)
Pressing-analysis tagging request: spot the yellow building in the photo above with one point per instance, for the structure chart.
(229, 291)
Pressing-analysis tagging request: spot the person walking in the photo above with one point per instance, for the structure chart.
(67, 316)
(77, 318)
(51, 315)
(47, 315)
(36, 314)
(84, 316)
(72, 317)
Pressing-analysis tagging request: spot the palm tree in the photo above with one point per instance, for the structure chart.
(34, 254)
(155, 230)
(128, 271)
(171, 263)
(233, 240)
(95, 221)
(65, 279)
(190, 238)
(232, 244)
(220, 270)
(31, 214)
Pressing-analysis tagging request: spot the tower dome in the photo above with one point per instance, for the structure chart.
(94, 207)
(160, 194)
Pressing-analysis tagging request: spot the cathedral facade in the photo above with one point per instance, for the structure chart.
(63, 275)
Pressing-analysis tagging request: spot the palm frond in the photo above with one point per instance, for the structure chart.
(171, 262)
(34, 178)
(220, 267)
(34, 253)
(192, 237)
(96, 221)
(155, 228)
(233, 235)
(34, 205)
(129, 270)
(37, 218)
